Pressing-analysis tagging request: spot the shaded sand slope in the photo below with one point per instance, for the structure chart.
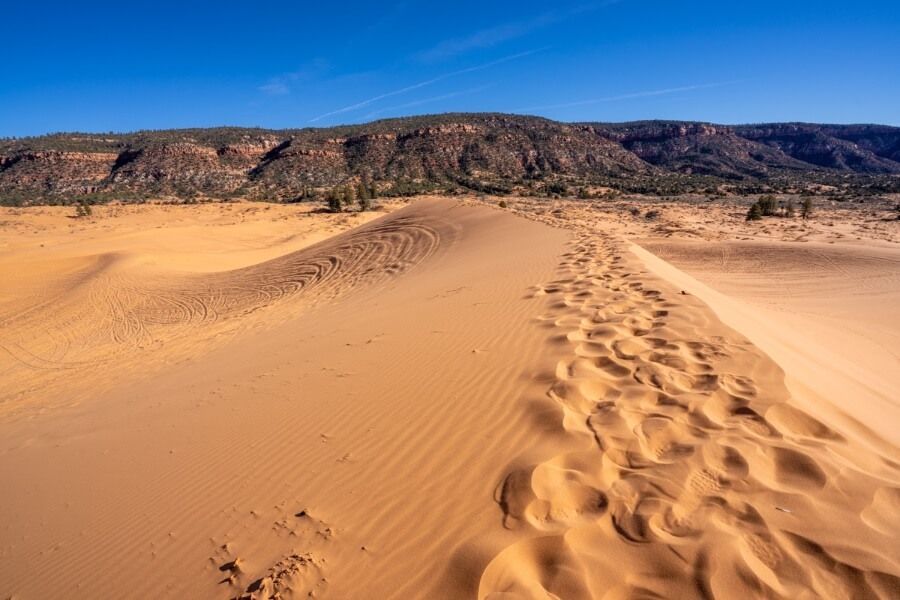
(680, 467)
(346, 446)
(827, 313)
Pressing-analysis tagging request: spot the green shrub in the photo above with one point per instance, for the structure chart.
(806, 209)
(768, 204)
(83, 209)
(755, 212)
(335, 201)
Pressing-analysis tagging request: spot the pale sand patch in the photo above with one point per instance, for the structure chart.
(827, 314)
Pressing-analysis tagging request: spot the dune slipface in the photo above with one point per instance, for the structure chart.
(451, 401)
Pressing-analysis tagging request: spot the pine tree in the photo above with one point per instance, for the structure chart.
(348, 195)
(362, 191)
(755, 212)
(335, 201)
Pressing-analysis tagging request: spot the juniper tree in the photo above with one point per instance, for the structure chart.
(335, 201)
(807, 208)
(767, 205)
(755, 212)
(348, 195)
(362, 192)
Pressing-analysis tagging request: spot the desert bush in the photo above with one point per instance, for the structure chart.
(557, 188)
(503, 204)
(83, 209)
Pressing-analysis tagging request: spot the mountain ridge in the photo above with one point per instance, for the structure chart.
(481, 151)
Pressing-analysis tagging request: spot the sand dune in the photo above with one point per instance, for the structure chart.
(688, 473)
(452, 401)
(360, 437)
(827, 314)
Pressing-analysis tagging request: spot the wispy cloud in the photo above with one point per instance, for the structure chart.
(485, 38)
(421, 84)
(282, 84)
(498, 34)
(630, 96)
(275, 87)
(415, 103)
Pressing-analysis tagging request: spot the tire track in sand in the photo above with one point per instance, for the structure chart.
(112, 313)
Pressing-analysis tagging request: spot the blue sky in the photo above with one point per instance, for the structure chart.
(119, 66)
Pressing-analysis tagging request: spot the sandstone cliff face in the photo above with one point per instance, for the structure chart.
(504, 148)
(701, 148)
(858, 148)
(55, 171)
(443, 149)
(174, 167)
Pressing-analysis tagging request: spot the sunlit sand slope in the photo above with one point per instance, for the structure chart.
(448, 402)
(72, 317)
(343, 438)
(680, 466)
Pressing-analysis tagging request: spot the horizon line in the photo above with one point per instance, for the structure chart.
(444, 114)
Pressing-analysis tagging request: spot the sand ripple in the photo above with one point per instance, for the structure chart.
(692, 476)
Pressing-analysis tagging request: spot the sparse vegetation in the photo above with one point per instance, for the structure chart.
(363, 197)
(806, 207)
(556, 188)
(493, 154)
(755, 212)
(767, 205)
(83, 209)
(335, 200)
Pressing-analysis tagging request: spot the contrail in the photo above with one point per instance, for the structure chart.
(427, 82)
(426, 101)
(662, 92)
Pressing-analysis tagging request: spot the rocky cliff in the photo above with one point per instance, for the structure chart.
(462, 150)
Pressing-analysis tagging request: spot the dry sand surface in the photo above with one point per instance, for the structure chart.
(451, 400)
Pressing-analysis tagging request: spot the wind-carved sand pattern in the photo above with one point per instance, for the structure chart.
(107, 309)
(683, 471)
